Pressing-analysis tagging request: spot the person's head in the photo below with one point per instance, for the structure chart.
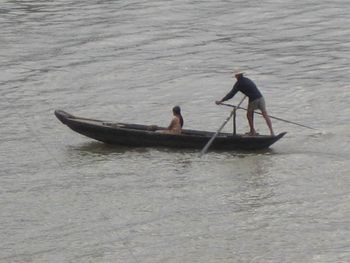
(238, 74)
(177, 110)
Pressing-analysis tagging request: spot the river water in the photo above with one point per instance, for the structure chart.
(67, 198)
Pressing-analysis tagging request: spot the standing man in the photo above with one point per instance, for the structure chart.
(256, 100)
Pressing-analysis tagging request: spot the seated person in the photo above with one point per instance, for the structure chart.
(175, 126)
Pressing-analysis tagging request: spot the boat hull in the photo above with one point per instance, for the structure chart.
(136, 135)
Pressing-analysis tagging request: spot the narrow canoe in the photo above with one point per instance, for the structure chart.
(137, 135)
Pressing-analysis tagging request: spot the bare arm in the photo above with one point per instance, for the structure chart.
(172, 124)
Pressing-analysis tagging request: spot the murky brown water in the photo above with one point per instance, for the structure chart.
(66, 198)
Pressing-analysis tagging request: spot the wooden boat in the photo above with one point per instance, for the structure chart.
(137, 135)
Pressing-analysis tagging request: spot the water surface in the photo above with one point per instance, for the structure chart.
(66, 198)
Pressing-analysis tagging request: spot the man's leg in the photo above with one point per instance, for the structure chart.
(250, 116)
(268, 121)
(262, 107)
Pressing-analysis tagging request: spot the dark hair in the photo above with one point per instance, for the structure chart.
(177, 111)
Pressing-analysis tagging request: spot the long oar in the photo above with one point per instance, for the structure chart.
(206, 147)
(272, 117)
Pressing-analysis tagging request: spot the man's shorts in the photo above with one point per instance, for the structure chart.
(257, 104)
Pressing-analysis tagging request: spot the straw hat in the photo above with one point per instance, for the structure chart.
(238, 72)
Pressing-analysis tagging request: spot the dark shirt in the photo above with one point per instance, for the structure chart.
(247, 87)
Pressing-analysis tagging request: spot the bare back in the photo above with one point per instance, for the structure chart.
(175, 126)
